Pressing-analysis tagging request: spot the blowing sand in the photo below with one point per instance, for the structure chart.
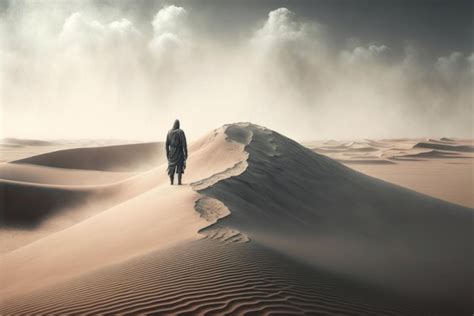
(261, 225)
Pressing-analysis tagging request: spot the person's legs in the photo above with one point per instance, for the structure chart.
(180, 171)
(171, 171)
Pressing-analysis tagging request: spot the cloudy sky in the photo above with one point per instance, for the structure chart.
(308, 69)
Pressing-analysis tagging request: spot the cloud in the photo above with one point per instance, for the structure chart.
(170, 30)
(362, 54)
(453, 65)
(287, 54)
(281, 26)
(283, 33)
(70, 65)
(470, 59)
(89, 36)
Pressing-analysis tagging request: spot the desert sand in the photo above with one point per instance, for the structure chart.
(262, 224)
(442, 168)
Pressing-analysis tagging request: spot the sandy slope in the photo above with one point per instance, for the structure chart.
(293, 231)
(32, 173)
(155, 215)
(442, 168)
(12, 149)
(219, 279)
(445, 179)
(134, 157)
(330, 216)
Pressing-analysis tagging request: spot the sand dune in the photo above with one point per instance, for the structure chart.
(233, 279)
(446, 139)
(360, 161)
(431, 154)
(27, 204)
(443, 173)
(12, 149)
(135, 157)
(51, 199)
(262, 224)
(333, 217)
(141, 220)
(443, 140)
(431, 145)
(25, 142)
(58, 176)
(392, 149)
(47, 200)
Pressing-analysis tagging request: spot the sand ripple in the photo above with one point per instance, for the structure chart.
(205, 278)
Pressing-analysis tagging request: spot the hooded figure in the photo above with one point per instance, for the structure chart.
(176, 152)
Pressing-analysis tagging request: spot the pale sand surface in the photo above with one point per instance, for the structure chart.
(451, 180)
(442, 168)
(14, 149)
(262, 224)
(209, 277)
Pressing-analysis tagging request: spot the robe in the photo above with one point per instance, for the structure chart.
(176, 150)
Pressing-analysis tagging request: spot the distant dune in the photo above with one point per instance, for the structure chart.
(26, 205)
(461, 148)
(25, 142)
(438, 167)
(430, 154)
(262, 224)
(124, 158)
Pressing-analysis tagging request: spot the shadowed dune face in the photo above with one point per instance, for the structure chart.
(327, 215)
(264, 202)
(26, 206)
(36, 188)
(48, 192)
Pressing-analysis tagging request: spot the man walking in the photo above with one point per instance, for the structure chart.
(176, 152)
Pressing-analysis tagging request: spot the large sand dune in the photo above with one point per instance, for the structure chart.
(110, 158)
(262, 224)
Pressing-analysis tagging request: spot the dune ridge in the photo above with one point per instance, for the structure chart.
(24, 142)
(122, 158)
(444, 146)
(432, 154)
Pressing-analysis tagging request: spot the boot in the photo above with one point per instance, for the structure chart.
(172, 179)
(179, 178)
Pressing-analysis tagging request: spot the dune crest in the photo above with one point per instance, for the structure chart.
(444, 146)
(118, 158)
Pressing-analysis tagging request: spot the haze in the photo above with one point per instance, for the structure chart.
(121, 69)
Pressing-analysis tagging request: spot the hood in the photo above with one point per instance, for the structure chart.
(176, 124)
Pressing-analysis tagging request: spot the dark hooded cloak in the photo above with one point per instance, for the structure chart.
(176, 150)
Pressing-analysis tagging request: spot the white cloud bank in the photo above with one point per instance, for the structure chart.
(83, 74)
(170, 30)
